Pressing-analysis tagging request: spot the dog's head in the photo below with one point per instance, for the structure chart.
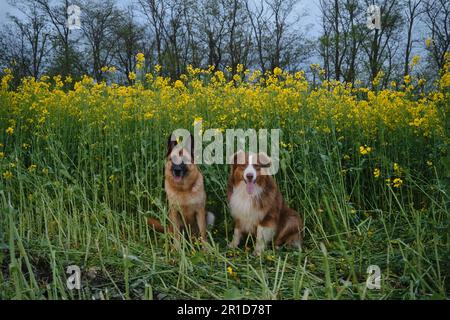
(250, 168)
(179, 158)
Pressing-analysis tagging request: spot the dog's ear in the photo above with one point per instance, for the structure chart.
(236, 159)
(190, 147)
(264, 160)
(171, 143)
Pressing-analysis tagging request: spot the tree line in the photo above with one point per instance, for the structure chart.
(257, 34)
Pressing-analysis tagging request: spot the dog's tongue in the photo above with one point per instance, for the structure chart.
(177, 179)
(250, 187)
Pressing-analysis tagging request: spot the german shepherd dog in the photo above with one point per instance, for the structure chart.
(183, 183)
(257, 205)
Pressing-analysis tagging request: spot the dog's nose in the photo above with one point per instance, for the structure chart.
(249, 176)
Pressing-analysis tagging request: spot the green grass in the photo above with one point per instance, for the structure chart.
(88, 197)
(75, 215)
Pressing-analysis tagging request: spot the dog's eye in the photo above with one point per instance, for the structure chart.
(176, 160)
(186, 160)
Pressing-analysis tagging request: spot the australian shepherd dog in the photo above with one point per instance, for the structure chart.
(257, 206)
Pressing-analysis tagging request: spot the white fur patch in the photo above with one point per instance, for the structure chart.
(236, 238)
(243, 209)
(250, 169)
(210, 218)
(263, 236)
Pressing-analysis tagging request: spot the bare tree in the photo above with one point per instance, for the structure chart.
(343, 35)
(413, 11)
(65, 47)
(98, 21)
(210, 31)
(437, 20)
(382, 44)
(155, 12)
(258, 20)
(32, 30)
(128, 41)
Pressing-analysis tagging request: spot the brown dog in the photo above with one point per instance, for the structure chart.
(183, 183)
(257, 205)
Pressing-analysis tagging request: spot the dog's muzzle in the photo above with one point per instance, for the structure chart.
(179, 170)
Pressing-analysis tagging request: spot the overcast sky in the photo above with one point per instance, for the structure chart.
(310, 8)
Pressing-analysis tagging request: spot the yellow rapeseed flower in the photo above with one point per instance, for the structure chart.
(364, 150)
(140, 58)
(10, 131)
(414, 61)
(132, 76)
(179, 85)
(231, 272)
(397, 182)
(277, 71)
(397, 169)
(7, 175)
(376, 173)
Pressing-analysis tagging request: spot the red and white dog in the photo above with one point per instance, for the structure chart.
(257, 205)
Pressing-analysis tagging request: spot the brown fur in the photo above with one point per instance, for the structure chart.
(269, 206)
(187, 200)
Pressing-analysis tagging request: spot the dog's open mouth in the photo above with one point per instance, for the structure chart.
(250, 187)
(177, 178)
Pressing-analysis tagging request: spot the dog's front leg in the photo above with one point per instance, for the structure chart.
(237, 235)
(201, 223)
(176, 223)
(264, 234)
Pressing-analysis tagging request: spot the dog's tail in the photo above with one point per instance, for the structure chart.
(210, 219)
(157, 226)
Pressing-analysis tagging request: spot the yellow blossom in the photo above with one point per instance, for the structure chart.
(231, 272)
(364, 150)
(7, 175)
(179, 85)
(376, 173)
(397, 182)
(277, 71)
(140, 58)
(132, 76)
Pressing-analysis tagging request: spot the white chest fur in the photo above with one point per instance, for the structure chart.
(243, 208)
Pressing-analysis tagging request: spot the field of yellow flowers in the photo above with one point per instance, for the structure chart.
(81, 168)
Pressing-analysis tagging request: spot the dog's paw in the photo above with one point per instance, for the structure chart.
(258, 252)
(232, 245)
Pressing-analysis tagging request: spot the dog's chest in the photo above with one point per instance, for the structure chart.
(185, 198)
(244, 209)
